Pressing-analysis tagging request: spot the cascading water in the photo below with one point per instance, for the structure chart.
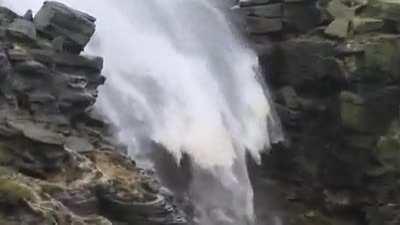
(179, 77)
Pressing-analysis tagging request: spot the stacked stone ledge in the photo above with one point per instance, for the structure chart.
(60, 164)
(47, 73)
(275, 16)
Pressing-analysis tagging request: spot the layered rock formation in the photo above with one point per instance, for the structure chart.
(58, 162)
(334, 69)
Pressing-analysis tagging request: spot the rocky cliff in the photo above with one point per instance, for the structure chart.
(334, 68)
(59, 164)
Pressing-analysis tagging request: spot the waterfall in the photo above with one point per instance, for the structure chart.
(179, 77)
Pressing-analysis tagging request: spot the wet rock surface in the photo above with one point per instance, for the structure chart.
(336, 89)
(59, 164)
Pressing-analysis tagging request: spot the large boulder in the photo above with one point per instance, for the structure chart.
(56, 19)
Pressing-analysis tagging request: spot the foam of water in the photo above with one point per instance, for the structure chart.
(179, 76)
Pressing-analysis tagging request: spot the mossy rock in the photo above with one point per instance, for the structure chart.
(14, 192)
(381, 60)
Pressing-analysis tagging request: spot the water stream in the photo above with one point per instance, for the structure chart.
(180, 77)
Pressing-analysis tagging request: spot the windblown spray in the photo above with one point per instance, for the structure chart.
(178, 76)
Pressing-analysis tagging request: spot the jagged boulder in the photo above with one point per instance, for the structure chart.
(56, 19)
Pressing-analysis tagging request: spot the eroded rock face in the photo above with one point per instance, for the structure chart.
(336, 89)
(58, 163)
